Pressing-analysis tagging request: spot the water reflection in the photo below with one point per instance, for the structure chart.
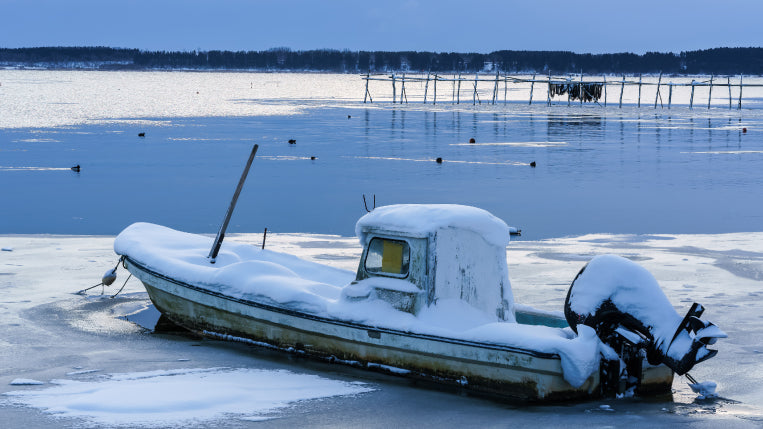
(575, 121)
(366, 121)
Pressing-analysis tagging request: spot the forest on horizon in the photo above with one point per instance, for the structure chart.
(720, 61)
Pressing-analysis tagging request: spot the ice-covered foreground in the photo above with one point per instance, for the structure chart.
(183, 396)
(49, 334)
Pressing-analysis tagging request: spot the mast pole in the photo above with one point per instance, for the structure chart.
(221, 233)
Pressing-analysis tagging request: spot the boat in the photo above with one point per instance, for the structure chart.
(431, 299)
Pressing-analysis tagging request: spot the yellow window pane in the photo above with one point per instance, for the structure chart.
(392, 257)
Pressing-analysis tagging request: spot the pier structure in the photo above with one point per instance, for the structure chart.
(585, 89)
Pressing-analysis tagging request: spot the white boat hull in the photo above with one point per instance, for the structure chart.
(482, 367)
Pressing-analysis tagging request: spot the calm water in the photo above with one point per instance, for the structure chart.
(598, 169)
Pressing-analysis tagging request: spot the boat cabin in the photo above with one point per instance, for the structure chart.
(416, 255)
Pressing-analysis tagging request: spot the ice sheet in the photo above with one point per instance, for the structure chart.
(181, 397)
(723, 271)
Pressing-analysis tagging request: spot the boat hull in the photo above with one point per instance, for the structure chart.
(481, 367)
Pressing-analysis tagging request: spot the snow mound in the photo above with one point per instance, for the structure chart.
(704, 389)
(25, 382)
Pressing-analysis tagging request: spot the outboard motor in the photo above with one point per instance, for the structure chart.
(629, 312)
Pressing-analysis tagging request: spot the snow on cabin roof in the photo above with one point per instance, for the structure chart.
(423, 219)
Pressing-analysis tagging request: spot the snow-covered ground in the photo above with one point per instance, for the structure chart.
(72, 360)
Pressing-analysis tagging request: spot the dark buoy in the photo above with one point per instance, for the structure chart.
(532, 164)
(438, 160)
(349, 116)
(744, 130)
(141, 134)
(312, 158)
(76, 168)
(292, 141)
(471, 140)
(109, 277)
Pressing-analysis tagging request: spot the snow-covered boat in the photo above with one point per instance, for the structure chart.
(431, 299)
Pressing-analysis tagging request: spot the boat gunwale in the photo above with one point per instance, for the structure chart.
(320, 319)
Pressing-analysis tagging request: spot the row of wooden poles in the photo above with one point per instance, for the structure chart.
(457, 80)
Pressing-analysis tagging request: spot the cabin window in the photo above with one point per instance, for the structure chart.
(388, 257)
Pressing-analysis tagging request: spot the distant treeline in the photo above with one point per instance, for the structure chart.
(748, 61)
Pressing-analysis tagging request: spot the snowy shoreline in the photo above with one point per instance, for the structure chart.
(39, 274)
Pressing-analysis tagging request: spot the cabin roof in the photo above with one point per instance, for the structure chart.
(420, 220)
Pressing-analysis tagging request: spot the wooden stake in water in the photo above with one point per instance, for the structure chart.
(580, 93)
(434, 100)
(402, 91)
(639, 90)
(458, 93)
(426, 86)
(605, 91)
(710, 94)
(474, 95)
(495, 87)
(221, 233)
(657, 96)
(394, 91)
(532, 83)
(622, 86)
(728, 82)
(691, 99)
(368, 75)
(505, 87)
(453, 90)
(548, 97)
(670, 94)
(740, 93)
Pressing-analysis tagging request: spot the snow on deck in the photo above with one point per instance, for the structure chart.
(240, 270)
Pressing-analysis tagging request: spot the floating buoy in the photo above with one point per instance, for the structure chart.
(471, 140)
(438, 160)
(292, 141)
(109, 277)
(76, 168)
(532, 164)
(141, 134)
(312, 158)
(349, 116)
(744, 130)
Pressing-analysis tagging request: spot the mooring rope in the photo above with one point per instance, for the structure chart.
(108, 278)
(123, 286)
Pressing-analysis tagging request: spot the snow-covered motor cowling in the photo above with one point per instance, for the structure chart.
(623, 302)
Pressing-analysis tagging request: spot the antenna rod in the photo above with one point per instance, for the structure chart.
(221, 233)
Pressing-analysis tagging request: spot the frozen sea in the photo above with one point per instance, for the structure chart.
(678, 190)
(598, 169)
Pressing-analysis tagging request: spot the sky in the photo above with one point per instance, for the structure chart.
(595, 26)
